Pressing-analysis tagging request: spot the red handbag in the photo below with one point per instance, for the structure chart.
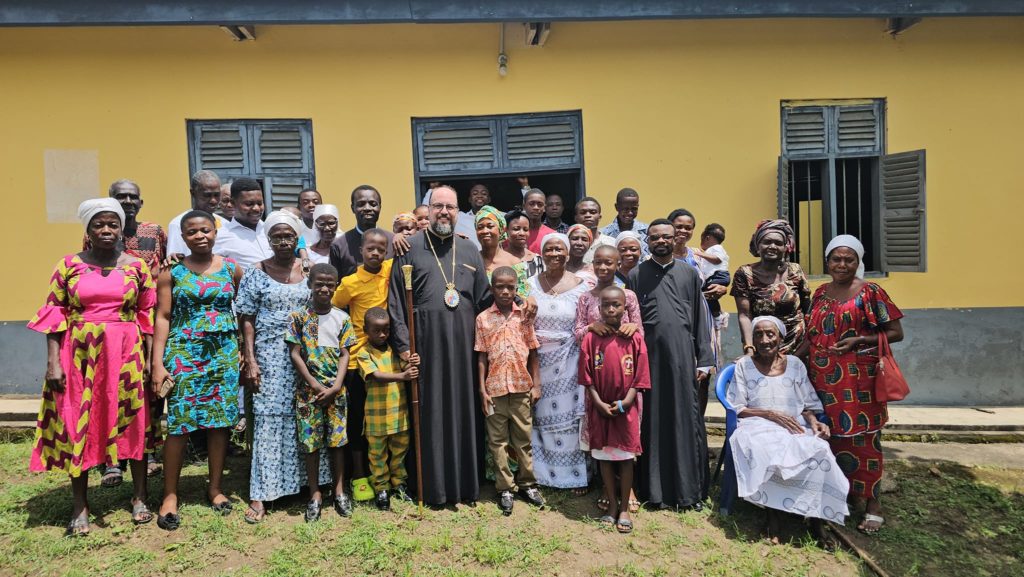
(890, 385)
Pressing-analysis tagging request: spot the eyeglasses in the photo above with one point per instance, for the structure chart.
(286, 241)
(438, 207)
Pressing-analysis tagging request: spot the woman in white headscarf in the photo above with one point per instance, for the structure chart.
(267, 295)
(557, 459)
(846, 317)
(780, 449)
(98, 326)
(325, 221)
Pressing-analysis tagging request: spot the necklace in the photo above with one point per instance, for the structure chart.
(451, 296)
(550, 290)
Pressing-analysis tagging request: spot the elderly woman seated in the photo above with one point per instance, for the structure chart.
(782, 458)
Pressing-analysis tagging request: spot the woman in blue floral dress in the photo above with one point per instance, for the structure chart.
(268, 294)
(196, 342)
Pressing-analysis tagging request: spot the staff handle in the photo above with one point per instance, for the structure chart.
(411, 322)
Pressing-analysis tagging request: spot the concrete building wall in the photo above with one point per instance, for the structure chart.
(686, 112)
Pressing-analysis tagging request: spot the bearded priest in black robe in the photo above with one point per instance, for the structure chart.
(450, 288)
(672, 472)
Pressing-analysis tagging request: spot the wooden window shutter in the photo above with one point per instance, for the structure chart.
(804, 131)
(542, 141)
(282, 148)
(458, 145)
(858, 129)
(783, 189)
(220, 147)
(282, 191)
(902, 193)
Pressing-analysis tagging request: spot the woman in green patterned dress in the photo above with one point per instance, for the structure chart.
(196, 337)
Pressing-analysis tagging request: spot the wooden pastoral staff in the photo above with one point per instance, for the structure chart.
(407, 273)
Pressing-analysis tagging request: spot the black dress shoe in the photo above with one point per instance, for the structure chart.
(532, 496)
(383, 501)
(505, 502)
(343, 505)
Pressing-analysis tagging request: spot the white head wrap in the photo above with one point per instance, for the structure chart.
(564, 239)
(627, 235)
(94, 206)
(283, 217)
(322, 209)
(849, 241)
(771, 319)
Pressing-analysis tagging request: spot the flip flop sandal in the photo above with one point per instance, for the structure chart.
(869, 518)
(78, 527)
(624, 526)
(602, 504)
(139, 508)
(606, 520)
(222, 508)
(257, 518)
(153, 468)
(634, 505)
(112, 477)
(168, 522)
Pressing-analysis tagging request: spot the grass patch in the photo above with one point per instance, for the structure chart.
(968, 521)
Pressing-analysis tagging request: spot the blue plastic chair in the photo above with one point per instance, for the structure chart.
(727, 495)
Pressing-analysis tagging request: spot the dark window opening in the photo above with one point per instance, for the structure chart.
(506, 193)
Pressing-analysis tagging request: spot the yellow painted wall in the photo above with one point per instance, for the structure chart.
(687, 112)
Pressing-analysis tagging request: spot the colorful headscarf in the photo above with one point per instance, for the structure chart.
(488, 211)
(778, 323)
(849, 241)
(627, 235)
(769, 226)
(404, 217)
(286, 218)
(90, 208)
(575, 227)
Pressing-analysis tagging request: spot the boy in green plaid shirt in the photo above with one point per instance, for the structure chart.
(385, 416)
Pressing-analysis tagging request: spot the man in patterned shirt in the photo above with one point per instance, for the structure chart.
(143, 240)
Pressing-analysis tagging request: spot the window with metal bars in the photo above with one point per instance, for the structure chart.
(277, 153)
(836, 178)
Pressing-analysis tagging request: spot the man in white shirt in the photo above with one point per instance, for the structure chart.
(465, 224)
(204, 189)
(588, 213)
(243, 238)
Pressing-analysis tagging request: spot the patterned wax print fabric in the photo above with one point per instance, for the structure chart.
(202, 350)
(775, 468)
(507, 342)
(321, 338)
(846, 383)
(558, 460)
(102, 415)
(784, 300)
(385, 411)
(276, 469)
(149, 243)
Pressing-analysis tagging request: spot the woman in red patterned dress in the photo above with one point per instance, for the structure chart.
(846, 317)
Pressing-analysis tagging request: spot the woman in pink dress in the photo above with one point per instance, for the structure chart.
(97, 322)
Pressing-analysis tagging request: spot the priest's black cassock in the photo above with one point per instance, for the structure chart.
(673, 469)
(449, 411)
